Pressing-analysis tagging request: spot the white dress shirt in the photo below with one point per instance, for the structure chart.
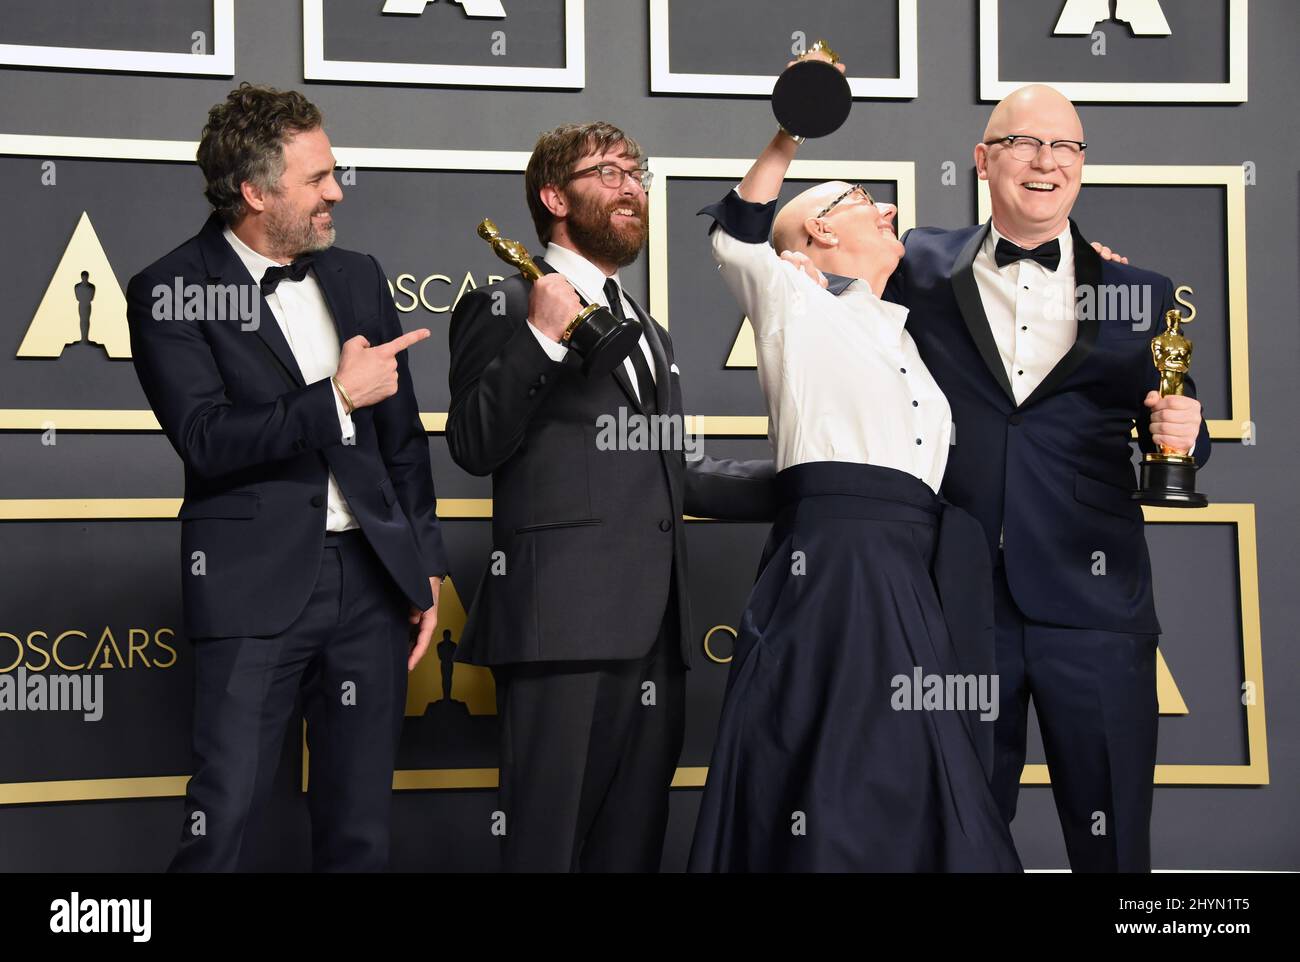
(841, 375)
(1030, 311)
(304, 317)
(1031, 314)
(589, 281)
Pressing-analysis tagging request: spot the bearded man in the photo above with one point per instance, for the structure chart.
(583, 614)
(311, 557)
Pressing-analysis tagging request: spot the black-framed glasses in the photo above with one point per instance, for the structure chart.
(1025, 147)
(856, 188)
(611, 175)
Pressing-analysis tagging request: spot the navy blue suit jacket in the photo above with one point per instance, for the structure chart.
(258, 443)
(1057, 470)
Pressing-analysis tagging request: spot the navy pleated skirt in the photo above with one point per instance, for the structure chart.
(866, 578)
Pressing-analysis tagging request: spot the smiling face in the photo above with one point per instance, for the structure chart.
(1032, 199)
(607, 225)
(298, 213)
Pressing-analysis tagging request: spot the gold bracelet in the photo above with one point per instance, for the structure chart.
(573, 325)
(347, 401)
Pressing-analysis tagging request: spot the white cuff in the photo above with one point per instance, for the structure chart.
(554, 349)
(347, 429)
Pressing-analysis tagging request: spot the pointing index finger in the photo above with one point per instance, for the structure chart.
(399, 344)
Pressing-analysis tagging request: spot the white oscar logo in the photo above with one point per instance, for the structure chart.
(1080, 17)
(473, 8)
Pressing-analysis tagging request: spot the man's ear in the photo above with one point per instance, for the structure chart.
(554, 200)
(254, 196)
(820, 232)
(982, 161)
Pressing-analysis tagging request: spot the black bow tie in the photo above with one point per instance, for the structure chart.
(1049, 254)
(292, 272)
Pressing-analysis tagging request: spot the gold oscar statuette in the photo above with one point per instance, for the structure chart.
(1168, 477)
(601, 340)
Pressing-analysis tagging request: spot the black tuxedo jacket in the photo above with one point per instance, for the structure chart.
(589, 539)
(1056, 471)
(258, 443)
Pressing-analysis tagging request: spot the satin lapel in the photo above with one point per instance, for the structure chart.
(224, 264)
(337, 296)
(663, 387)
(663, 392)
(1087, 277)
(625, 382)
(967, 292)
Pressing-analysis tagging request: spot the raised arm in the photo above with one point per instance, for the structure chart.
(762, 284)
(763, 182)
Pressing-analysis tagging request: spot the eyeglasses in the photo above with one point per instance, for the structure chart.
(1024, 147)
(856, 188)
(611, 175)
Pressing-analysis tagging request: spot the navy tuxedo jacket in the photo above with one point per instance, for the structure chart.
(1056, 471)
(258, 443)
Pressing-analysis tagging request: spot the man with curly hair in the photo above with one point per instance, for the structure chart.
(311, 556)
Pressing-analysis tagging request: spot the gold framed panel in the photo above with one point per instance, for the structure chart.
(181, 151)
(1242, 516)
(168, 786)
(1233, 181)
(1255, 770)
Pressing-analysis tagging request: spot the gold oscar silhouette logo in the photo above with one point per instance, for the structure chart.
(83, 305)
(439, 679)
(1144, 17)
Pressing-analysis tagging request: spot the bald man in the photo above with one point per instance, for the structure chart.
(1045, 385)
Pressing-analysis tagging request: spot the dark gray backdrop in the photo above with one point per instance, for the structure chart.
(86, 575)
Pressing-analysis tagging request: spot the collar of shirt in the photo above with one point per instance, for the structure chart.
(257, 264)
(1066, 237)
(888, 320)
(837, 284)
(582, 273)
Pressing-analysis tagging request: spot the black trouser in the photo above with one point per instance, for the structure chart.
(588, 752)
(1094, 693)
(347, 651)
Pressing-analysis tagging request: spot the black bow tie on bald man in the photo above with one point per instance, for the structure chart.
(293, 272)
(1049, 254)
